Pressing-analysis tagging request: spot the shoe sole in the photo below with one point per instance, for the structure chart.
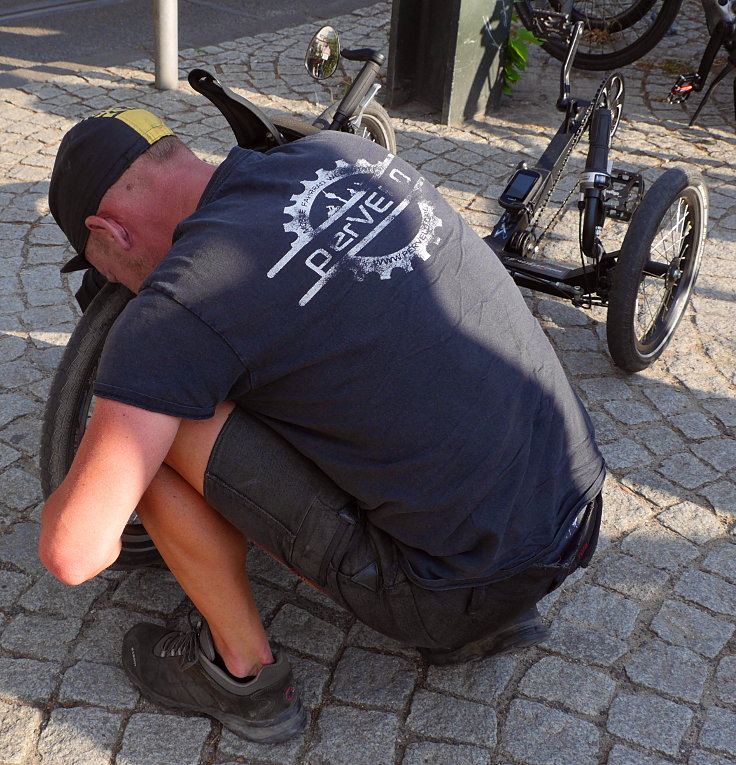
(521, 636)
(287, 724)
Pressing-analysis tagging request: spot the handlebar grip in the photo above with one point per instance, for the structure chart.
(350, 103)
(363, 54)
(600, 138)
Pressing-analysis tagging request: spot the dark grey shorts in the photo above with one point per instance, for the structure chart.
(281, 501)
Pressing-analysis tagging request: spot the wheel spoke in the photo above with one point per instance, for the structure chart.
(657, 291)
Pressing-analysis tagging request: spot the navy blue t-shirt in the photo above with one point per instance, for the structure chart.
(330, 290)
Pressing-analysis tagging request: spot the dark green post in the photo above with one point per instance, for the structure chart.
(448, 54)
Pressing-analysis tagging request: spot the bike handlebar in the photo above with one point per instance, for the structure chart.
(600, 139)
(350, 103)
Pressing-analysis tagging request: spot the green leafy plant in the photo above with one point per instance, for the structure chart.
(517, 53)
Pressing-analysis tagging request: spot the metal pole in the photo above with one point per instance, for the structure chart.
(165, 16)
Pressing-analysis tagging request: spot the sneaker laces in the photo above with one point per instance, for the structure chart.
(183, 644)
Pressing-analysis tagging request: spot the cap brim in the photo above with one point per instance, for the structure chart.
(77, 263)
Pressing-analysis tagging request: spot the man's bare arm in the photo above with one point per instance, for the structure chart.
(120, 453)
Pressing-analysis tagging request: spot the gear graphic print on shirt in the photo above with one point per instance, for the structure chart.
(346, 214)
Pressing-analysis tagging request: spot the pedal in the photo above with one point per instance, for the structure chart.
(685, 85)
(624, 195)
(547, 25)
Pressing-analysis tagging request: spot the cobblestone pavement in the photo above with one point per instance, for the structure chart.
(640, 668)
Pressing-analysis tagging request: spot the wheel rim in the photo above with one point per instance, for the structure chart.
(611, 26)
(668, 277)
(610, 16)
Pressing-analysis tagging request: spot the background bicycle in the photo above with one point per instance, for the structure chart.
(621, 32)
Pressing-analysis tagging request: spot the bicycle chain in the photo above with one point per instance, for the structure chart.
(574, 142)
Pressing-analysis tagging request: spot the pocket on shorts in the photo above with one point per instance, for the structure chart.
(322, 534)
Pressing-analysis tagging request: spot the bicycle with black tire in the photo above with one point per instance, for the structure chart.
(618, 32)
(615, 32)
(646, 284)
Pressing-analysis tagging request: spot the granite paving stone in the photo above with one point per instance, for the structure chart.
(718, 452)
(653, 487)
(236, 749)
(12, 584)
(722, 562)
(582, 642)
(151, 590)
(719, 731)
(661, 440)
(552, 679)
(655, 546)
(625, 453)
(40, 637)
(372, 737)
(373, 680)
(301, 631)
(483, 682)
(675, 670)
(650, 721)
(722, 496)
(50, 596)
(629, 577)
(686, 470)
(693, 521)
(625, 755)
(624, 510)
(694, 425)
(101, 638)
(18, 732)
(430, 753)
(82, 735)
(19, 489)
(27, 681)
(708, 758)
(540, 735)
(708, 591)
(594, 606)
(98, 684)
(726, 680)
(176, 740)
(438, 716)
(683, 624)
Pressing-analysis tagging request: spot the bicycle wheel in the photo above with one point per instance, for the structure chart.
(375, 125)
(68, 408)
(656, 268)
(616, 32)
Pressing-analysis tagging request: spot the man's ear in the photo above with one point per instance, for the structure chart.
(111, 227)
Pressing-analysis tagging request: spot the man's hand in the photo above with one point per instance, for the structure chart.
(120, 453)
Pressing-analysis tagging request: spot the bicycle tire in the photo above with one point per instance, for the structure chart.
(612, 40)
(375, 125)
(624, 18)
(661, 253)
(68, 406)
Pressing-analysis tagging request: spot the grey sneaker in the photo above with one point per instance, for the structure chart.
(177, 669)
(526, 631)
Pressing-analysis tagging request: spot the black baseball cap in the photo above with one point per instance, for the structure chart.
(91, 157)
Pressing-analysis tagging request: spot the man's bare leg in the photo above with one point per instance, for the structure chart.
(206, 553)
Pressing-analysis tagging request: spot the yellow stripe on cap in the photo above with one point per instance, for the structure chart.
(147, 125)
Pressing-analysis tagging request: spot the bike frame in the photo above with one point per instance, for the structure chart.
(512, 239)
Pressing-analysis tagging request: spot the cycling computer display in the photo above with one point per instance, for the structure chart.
(519, 189)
